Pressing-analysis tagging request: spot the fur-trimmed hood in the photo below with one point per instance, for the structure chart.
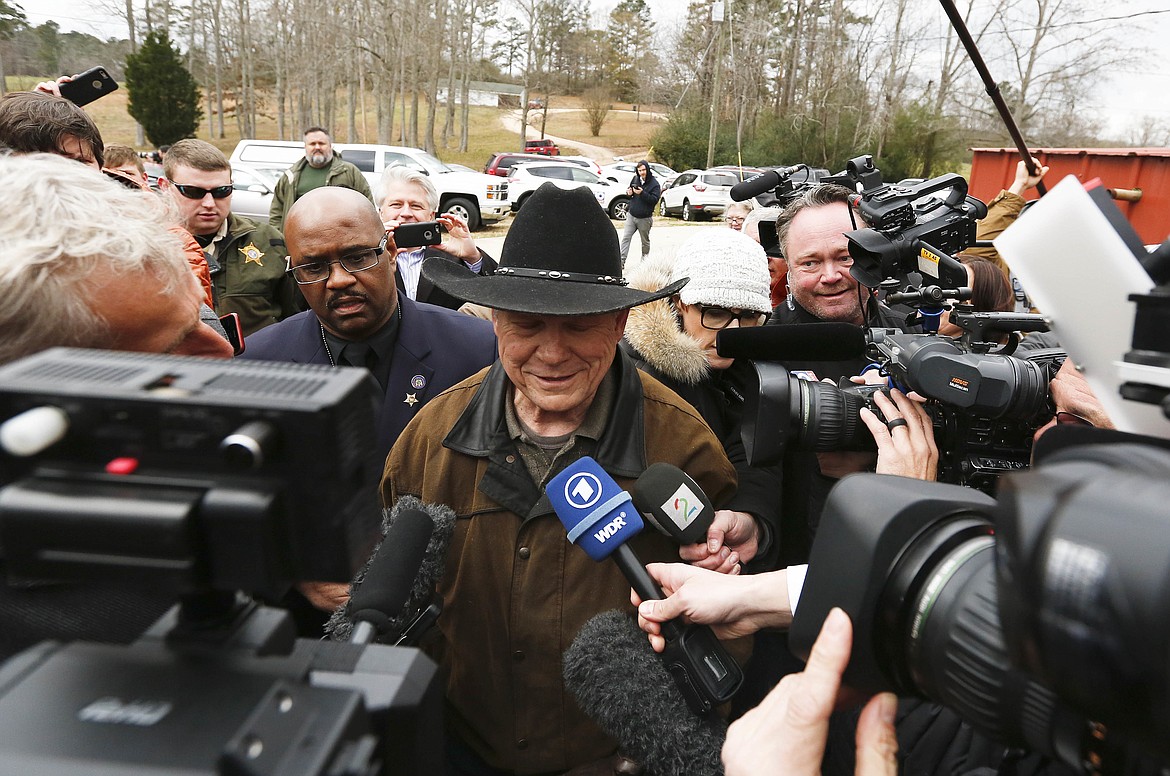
(653, 328)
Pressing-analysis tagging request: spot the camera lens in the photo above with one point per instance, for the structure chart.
(829, 418)
(943, 639)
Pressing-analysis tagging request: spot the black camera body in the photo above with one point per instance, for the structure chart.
(1036, 620)
(206, 481)
(909, 230)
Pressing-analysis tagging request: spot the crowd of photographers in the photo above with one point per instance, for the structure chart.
(94, 259)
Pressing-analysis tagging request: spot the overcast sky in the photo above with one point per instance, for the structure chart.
(1142, 89)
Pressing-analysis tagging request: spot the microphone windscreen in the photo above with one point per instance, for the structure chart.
(392, 569)
(673, 503)
(829, 341)
(425, 572)
(621, 684)
(756, 185)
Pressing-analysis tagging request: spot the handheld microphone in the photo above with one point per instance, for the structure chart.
(828, 341)
(758, 184)
(673, 502)
(425, 576)
(600, 518)
(390, 574)
(619, 682)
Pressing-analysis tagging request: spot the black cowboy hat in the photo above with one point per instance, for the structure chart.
(560, 257)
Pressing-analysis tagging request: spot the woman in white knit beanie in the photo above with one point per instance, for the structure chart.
(674, 341)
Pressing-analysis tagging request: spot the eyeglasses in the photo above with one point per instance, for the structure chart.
(195, 192)
(736, 221)
(318, 271)
(719, 318)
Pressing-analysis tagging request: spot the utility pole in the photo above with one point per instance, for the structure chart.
(717, 25)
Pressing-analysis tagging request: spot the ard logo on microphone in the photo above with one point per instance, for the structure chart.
(596, 512)
(582, 490)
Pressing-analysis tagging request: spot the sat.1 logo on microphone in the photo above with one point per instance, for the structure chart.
(598, 515)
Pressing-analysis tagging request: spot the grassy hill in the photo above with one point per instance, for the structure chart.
(624, 131)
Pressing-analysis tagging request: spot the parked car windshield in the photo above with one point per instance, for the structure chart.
(432, 162)
(720, 179)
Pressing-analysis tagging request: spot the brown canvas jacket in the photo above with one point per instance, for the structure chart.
(515, 591)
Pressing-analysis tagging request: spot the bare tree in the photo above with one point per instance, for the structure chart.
(597, 108)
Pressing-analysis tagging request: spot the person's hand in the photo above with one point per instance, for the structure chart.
(1024, 180)
(53, 87)
(786, 733)
(732, 605)
(326, 596)
(1071, 393)
(838, 463)
(733, 538)
(460, 243)
(907, 449)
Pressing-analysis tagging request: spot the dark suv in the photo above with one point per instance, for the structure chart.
(544, 146)
(501, 164)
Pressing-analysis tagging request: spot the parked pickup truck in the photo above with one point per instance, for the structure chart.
(478, 198)
(544, 146)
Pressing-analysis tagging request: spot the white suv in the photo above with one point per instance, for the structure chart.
(527, 178)
(696, 194)
(478, 198)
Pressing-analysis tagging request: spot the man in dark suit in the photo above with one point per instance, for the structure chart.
(344, 261)
(406, 196)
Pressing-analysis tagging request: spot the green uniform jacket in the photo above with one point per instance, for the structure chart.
(341, 173)
(248, 275)
(515, 591)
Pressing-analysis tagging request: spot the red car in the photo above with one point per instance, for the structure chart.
(544, 146)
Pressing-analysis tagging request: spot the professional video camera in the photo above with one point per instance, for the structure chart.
(1034, 618)
(985, 404)
(1037, 616)
(208, 479)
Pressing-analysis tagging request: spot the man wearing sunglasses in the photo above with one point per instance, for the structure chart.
(246, 259)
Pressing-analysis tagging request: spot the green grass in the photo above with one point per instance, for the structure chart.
(622, 132)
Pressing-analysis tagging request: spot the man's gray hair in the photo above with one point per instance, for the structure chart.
(760, 214)
(65, 228)
(400, 173)
(817, 196)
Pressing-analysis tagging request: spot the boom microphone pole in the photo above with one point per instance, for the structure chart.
(992, 88)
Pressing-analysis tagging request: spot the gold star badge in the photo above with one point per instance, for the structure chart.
(411, 399)
(252, 254)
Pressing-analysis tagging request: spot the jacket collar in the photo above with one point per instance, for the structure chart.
(482, 430)
(654, 332)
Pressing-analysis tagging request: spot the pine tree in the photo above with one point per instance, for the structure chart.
(164, 98)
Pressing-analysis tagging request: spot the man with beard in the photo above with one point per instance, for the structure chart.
(322, 166)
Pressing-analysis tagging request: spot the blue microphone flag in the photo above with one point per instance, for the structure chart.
(597, 514)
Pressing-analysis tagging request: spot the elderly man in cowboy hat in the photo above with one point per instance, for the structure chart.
(515, 592)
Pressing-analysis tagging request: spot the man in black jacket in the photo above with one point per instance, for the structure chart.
(643, 192)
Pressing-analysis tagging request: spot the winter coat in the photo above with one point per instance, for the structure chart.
(341, 173)
(642, 205)
(655, 340)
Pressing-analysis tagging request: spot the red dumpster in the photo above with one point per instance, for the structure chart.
(1144, 169)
